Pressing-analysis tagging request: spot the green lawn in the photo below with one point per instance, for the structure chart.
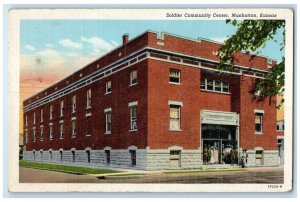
(66, 168)
(203, 171)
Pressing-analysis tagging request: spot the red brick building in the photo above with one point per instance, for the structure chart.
(156, 102)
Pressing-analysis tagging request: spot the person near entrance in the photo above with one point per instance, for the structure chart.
(244, 158)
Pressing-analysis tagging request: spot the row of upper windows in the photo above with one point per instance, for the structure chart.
(108, 125)
(108, 89)
(174, 78)
(205, 83)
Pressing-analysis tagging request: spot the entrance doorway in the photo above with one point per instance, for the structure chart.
(219, 144)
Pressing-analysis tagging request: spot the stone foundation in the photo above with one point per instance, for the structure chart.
(146, 159)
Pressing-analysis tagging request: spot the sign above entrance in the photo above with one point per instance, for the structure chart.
(219, 117)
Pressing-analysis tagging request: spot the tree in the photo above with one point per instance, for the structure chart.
(251, 36)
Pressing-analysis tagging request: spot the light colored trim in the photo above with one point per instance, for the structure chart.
(133, 130)
(88, 114)
(106, 71)
(135, 103)
(175, 148)
(170, 102)
(174, 83)
(280, 137)
(205, 59)
(107, 110)
(61, 121)
(259, 111)
(175, 130)
(41, 126)
(50, 124)
(258, 148)
(133, 84)
(109, 68)
(73, 118)
(34, 128)
(107, 148)
(88, 149)
(132, 147)
(212, 91)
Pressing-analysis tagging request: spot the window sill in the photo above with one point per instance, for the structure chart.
(212, 91)
(50, 118)
(61, 115)
(61, 138)
(133, 130)
(258, 133)
(88, 135)
(41, 140)
(132, 84)
(50, 139)
(107, 133)
(174, 83)
(88, 107)
(73, 136)
(73, 112)
(107, 93)
(175, 130)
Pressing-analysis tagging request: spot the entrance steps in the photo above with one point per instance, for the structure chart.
(220, 166)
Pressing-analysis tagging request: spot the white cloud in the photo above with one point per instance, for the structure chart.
(70, 44)
(29, 47)
(49, 45)
(221, 39)
(99, 43)
(114, 43)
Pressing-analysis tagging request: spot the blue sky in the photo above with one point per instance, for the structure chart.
(95, 37)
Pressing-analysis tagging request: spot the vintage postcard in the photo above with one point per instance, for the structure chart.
(150, 100)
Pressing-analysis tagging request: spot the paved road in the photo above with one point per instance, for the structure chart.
(251, 175)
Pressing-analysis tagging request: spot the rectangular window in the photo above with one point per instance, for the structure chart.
(74, 103)
(132, 157)
(133, 77)
(61, 156)
(34, 134)
(88, 156)
(50, 132)
(214, 85)
(61, 108)
(258, 122)
(175, 158)
(61, 131)
(89, 98)
(218, 85)
(73, 128)
(259, 157)
(225, 86)
(202, 83)
(26, 136)
(175, 117)
(210, 84)
(133, 117)
(108, 87)
(108, 122)
(107, 156)
(51, 112)
(26, 123)
(73, 156)
(42, 114)
(174, 76)
(42, 133)
(33, 117)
